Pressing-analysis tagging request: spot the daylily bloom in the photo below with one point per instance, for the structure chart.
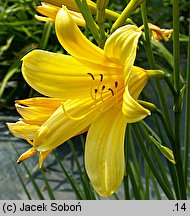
(72, 6)
(50, 11)
(158, 33)
(100, 88)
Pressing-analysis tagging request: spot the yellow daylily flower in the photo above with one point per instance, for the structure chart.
(50, 11)
(100, 88)
(158, 33)
(72, 6)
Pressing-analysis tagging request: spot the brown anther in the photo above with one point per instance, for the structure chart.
(116, 84)
(91, 76)
(111, 91)
(101, 77)
(96, 91)
(103, 87)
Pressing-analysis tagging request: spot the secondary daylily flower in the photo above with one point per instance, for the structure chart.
(72, 6)
(50, 11)
(100, 88)
(158, 33)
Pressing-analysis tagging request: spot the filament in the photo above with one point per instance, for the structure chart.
(74, 118)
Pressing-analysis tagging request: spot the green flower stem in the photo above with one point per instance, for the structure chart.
(130, 8)
(152, 64)
(155, 153)
(45, 36)
(171, 167)
(150, 162)
(170, 136)
(176, 50)
(84, 9)
(170, 85)
(126, 177)
(177, 110)
(114, 16)
(48, 187)
(177, 156)
(175, 143)
(100, 18)
(187, 114)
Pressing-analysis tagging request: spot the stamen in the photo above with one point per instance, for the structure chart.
(111, 91)
(116, 84)
(117, 99)
(91, 76)
(101, 77)
(103, 87)
(73, 118)
(95, 91)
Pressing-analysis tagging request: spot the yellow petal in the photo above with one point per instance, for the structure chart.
(58, 75)
(137, 81)
(121, 47)
(78, 18)
(73, 40)
(21, 129)
(61, 126)
(42, 157)
(29, 153)
(50, 11)
(50, 103)
(104, 152)
(43, 19)
(33, 115)
(131, 109)
(71, 4)
(36, 111)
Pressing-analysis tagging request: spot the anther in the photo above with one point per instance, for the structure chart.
(101, 77)
(103, 87)
(116, 84)
(111, 91)
(91, 76)
(96, 91)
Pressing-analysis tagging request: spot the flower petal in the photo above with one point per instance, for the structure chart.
(21, 129)
(50, 103)
(58, 75)
(36, 111)
(121, 47)
(29, 153)
(65, 123)
(104, 152)
(73, 40)
(137, 81)
(50, 11)
(42, 157)
(131, 109)
(71, 4)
